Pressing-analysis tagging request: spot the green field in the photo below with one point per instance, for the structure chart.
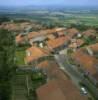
(20, 57)
(64, 18)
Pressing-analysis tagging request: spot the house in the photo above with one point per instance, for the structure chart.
(44, 35)
(59, 90)
(34, 54)
(37, 40)
(60, 31)
(93, 50)
(55, 30)
(76, 43)
(43, 65)
(50, 91)
(50, 36)
(52, 70)
(33, 35)
(72, 32)
(44, 32)
(20, 39)
(89, 33)
(16, 27)
(94, 47)
(87, 63)
(79, 42)
(58, 43)
(55, 35)
(58, 86)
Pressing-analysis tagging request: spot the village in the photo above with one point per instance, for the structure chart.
(65, 58)
(49, 50)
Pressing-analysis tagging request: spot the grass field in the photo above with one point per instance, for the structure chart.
(20, 54)
(20, 57)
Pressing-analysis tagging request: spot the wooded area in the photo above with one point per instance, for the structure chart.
(7, 67)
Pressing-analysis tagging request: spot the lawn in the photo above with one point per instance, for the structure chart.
(20, 54)
(20, 57)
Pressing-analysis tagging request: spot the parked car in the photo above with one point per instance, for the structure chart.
(84, 91)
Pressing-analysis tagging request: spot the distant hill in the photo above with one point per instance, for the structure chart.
(18, 9)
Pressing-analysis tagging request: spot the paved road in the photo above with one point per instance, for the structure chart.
(70, 70)
(75, 75)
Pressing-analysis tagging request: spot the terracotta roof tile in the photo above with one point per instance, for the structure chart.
(52, 70)
(43, 65)
(80, 42)
(20, 39)
(50, 91)
(33, 34)
(54, 43)
(86, 61)
(35, 53)
(44, 32)
(72, 32)
(59, 87)
(50, 36)
(89, 32)
(94, 47)
(59, 90)
(77, 43)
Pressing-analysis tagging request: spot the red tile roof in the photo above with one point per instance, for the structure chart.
(50, 36)
(50, 91)
(55, 43)
(72, 32)
(59, 90)
(33, 34)
(43, 65)
(77, 43)
(35, 53)
(80, 42)
(44, 32)
(85, 60)
(94, 47)
(59, 87)
(20, 39)
(52, 69)
(89, 32)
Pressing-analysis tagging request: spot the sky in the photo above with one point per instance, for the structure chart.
(49, 2)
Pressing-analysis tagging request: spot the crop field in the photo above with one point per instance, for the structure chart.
(64, 17)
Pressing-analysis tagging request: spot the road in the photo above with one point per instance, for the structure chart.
(69, 69)
(75, 75)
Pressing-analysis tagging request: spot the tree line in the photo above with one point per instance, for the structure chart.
(7, 66)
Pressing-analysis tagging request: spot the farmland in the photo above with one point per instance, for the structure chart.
(63, 17)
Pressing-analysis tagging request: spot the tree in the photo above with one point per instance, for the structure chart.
(4, 19)
(7, 48)
(81, 27)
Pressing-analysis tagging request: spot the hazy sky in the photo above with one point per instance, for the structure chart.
(49, 2)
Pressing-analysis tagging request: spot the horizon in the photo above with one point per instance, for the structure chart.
(77, 3)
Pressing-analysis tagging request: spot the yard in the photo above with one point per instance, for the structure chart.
(37, 78)
(19, 55)
(25, 83)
